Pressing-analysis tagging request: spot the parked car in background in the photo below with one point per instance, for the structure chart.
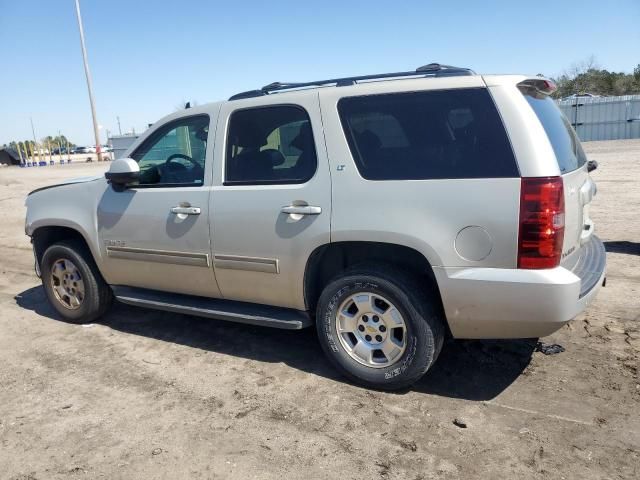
(84, 150)
(60, 151)
(390, 211)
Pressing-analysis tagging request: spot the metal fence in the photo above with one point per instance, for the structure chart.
(603, 118)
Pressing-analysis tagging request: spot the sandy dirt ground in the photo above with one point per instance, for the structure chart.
(146, 394)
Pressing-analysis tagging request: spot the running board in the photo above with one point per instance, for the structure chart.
(240, 312)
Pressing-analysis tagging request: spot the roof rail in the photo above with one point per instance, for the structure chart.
(430, 70)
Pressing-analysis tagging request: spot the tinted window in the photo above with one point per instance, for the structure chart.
(270, 145)
(563, 138)
(427, 135)
(175, 153)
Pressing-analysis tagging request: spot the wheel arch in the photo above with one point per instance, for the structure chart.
(328, 260)
(46, 235)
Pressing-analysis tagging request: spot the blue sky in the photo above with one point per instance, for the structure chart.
(147, 58)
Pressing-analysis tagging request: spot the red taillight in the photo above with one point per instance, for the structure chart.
(549, 86)
(541, 222)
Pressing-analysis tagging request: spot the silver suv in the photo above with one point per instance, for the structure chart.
(389, 210)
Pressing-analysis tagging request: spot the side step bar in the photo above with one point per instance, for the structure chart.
(241, 312)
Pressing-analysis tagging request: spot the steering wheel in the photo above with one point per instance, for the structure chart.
(175, 172)
(182, 155)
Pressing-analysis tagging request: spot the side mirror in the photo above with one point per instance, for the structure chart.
(122, 172)
(592, 165)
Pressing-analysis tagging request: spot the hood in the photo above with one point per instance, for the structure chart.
(68, 182)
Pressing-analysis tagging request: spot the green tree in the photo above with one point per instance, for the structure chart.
(588, 77)
(62, 140)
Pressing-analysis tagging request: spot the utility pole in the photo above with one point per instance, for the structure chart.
(89, 86)
(119, 128)
(60, 146)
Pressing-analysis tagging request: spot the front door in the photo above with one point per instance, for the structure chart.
(271, 200)
(156, 234)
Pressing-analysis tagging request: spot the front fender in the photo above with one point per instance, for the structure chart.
(72, 206)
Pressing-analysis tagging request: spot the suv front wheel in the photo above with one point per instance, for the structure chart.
(73, 284)
(380, 327)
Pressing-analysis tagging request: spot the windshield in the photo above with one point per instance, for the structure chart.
(563, 138)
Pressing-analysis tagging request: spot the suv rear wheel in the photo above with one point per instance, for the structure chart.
(73, 283)
(380, 327)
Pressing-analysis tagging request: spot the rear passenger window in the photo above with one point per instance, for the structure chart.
(427, 135)
(270, 145)
(563, 138)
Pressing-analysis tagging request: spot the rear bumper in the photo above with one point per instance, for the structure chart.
(514, 303)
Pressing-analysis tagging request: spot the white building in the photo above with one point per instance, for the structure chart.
(120, 143)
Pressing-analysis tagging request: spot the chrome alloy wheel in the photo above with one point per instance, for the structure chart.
(371, 330)
(67, 284)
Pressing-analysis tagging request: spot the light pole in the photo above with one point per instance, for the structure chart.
(89, 86)
(60, 146)
(35, 142)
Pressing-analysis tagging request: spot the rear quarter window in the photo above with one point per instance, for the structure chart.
(427, 135)
(563, 138)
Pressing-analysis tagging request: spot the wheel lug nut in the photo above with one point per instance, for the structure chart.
(376, 319)
(367, 338)
(361, 328)
(365, 318)
(382, 328)
(378, 338)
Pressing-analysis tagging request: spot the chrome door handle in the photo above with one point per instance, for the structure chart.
(186, 210)
(301, 210)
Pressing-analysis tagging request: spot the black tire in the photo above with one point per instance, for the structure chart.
(416, 302)
(97, 294)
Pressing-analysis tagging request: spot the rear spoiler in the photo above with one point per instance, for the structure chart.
(540, 85)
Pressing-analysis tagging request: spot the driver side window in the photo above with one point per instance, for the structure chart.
(175, 154)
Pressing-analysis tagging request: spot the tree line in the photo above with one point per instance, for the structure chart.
(47, 143)
(588, 77)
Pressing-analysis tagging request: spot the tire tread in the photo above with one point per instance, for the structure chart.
(423, 300)
(101, 296)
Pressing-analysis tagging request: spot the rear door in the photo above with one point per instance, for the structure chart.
(271, 199)
(579, 189)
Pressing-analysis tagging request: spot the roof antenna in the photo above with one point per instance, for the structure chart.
(187, 105)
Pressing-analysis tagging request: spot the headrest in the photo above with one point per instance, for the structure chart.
(304, 137)
(246, 135)
(274, 157)
(369, 140)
